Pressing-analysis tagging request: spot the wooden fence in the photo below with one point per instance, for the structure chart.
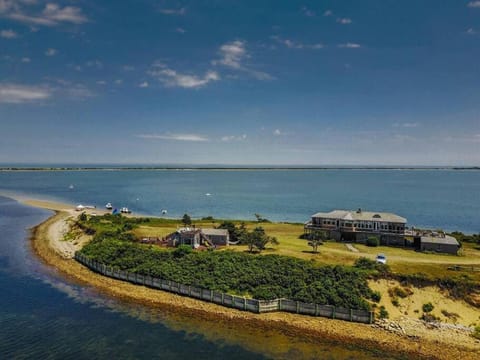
(237, 302)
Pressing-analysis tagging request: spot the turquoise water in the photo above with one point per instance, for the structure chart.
(44, 316)
(448, 199)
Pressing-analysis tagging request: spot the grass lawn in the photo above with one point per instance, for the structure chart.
(400, 260)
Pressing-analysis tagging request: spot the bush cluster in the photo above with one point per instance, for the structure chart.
(262, 277)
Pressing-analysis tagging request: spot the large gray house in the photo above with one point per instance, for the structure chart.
(357, 226)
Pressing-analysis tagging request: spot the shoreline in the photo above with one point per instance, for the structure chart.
(229, 168)
(47, 235)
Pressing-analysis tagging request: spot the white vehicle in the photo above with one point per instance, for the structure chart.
(125, 210)
(80, 207)
(109, 206)
(381, 259)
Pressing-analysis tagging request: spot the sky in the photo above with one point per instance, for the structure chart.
(240, 82)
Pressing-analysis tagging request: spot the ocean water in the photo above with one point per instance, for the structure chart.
(45, 316)
(447, 199)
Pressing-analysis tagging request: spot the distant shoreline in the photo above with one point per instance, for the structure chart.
(230, 168)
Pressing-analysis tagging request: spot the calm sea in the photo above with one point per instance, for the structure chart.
(448, 199)
(45, 316)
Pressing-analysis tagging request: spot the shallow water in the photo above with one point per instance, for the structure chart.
(448, 199)
(43, 315)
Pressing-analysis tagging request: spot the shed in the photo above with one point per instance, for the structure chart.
(439, 243)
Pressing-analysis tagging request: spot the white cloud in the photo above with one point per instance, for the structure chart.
(118, 81)
(101, 82)
(233, 55)
(180, 30)
(350, 46)
(51, 52)
(328, 13)
(8, 34)
(471, 31)
(175, 137)
(230, 138)
(19, 94)
(128, 68)
(277, 132)
(78, 92)
(167, 11)
(307, 12)
(406, 125)
(172, 78)
(67, 14)
(94, 63)
(297, 45)
(51, 15)
(143, 84)
(344, 21)
(474, 4)
(26, 60)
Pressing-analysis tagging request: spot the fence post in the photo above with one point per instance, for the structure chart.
(351, 315)
(316, 309)
(223, 297)
(244, 303)
(211, 295)
(333, 313)
(371, 317)
(298, 307)
(190, 290)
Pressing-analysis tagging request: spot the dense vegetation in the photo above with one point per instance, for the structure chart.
(261, 277)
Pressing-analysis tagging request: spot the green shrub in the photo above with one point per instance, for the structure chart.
(376, 296)
(476, 332)
(395, 302)
(428, 307)
(373, 241)
(383, 314)
(182, 250)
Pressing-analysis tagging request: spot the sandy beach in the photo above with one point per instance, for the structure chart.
(410, 337)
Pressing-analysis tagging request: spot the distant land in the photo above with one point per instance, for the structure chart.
(226, 167)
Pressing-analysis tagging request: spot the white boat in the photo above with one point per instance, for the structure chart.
(71, 187)
(125, 210)
(109, 206)
(164, 212)
(80, 207)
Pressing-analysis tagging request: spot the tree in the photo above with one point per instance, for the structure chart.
(236, 232)
(314, 243)
(316, 238)
(258, 239)
(186, 220)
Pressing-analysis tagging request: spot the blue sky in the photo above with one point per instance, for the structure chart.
(240, 82)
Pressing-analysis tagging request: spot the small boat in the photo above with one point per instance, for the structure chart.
(71, 187)
(109, 206)
(208, 194)
(125, 210)
(80, 207)
(164, 211)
